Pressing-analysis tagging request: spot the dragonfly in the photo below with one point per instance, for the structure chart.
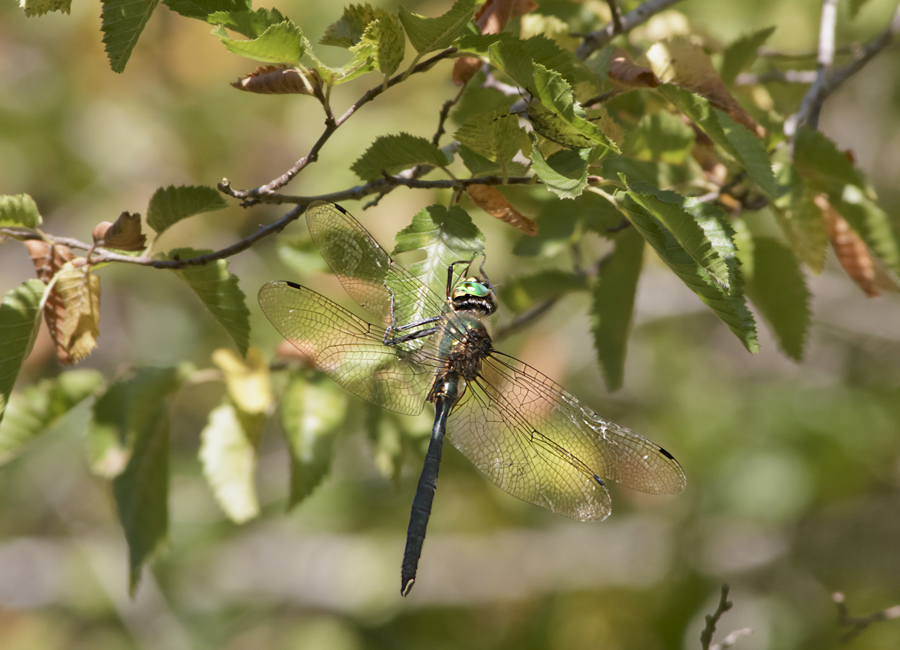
(526, 433)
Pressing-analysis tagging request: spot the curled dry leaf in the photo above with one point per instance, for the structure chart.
(625, 73)
(491, 18)
(682, 62)
(125, 234)
(849, 248)
(281, 80)
(48, 259)
(489, 199)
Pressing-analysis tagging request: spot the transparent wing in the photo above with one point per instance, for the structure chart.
(536, 441)
(349, 349)
(366, 270)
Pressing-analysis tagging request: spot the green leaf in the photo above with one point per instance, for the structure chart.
(19, 210)
(169, 205)
(41, 7)
(742, 145)
(522, 292)
(281, 43)
(123, 413)
(430, 34)
(613, 311)
(871, 223)
(741, 53)
(564, 173)
(385, 40)
(251, 24)
(393, 153)
(30, 413)
(202, 8)
(495, 135)
(142, 494)
(822, 163)
(801, 219)
(660, 137)
(228, 445)
(730, 306)
(311, 414)
(778, 289)
(123, 22)
(517, 57)
(446, 236)
(348, 30)
(19, 324)
(219, 291)
(670, 209)
(563, 120)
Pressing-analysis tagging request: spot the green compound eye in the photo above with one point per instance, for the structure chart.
(475, 288)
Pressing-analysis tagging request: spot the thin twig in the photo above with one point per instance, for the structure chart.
(595, 40)
(826, 84)
(711, 619)
(783, 76)
(616, 17)
(251, 197)
(859, 623)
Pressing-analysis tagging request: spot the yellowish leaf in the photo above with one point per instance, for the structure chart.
(489, 199)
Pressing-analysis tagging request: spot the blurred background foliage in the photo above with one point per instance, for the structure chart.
(793, 469)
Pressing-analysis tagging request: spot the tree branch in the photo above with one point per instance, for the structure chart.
(859, 623)
(251, 197)
(595, 40)
(825, 83)
(711, 619)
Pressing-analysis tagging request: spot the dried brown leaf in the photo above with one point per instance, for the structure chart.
(48, 259)
(625, 73)
(281, 80)
(682, 62)
(849, 248)
(80, 314)
(124, 234)
(489, 199)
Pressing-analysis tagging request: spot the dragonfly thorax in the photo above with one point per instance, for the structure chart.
(473, 294)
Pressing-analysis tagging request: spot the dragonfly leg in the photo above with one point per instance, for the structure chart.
(388, 339)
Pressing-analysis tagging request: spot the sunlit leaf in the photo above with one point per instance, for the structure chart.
(446, 236)
(730, 306)
(660, 136)
(218, 288)
(123, 22)
(41, 7)
(870, 222)
(169, 205)
(564, 172)
(19, 210)
(79, 292)
(228, 445)
(385, 40)
(822, 163)
(251, 24)
(280, 43)
(348, 30)
(613, 310)
(430, 34)
(801, 219)
(393, 153)
(123, 234)
(495, 135)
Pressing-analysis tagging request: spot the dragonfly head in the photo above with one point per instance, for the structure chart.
(474, 294)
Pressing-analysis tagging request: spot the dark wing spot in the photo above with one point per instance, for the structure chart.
(292, 284)
(599, 480)
(666, 454)
(340, 208)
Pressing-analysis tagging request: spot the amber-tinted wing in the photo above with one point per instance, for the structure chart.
(349, 349)
(539, 443)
